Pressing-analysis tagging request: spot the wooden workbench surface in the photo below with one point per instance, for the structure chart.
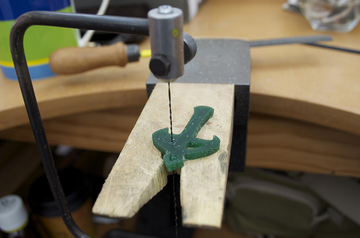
(301, 82)
(297, 81)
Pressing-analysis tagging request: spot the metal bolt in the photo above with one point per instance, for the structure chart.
(159, 65)
(165, 9)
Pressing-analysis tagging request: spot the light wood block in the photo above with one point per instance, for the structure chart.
(139, 172)
(203, 181)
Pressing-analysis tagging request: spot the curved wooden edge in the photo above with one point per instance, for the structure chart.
(108, 87)
(286, 144)
(321, 98)
(319, 82)
(105, 130)
(273, 142)
(306, 111)
(73, 105)
(267, 104)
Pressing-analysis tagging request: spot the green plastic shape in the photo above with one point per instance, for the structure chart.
(185, 146)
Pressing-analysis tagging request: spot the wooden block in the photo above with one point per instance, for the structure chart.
(139, 172)
(203, 181)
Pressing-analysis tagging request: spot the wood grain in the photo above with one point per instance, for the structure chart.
(99, 130)
(203, 181)
(285, 144)
(295, 81)
(104, 88)
(273, 142)
(139, 172)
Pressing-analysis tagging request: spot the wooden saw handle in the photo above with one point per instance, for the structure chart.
(75, 60)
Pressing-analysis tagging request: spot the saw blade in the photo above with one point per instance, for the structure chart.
(173, 175)
(171, 127)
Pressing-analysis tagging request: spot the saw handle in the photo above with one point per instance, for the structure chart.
(75, 60)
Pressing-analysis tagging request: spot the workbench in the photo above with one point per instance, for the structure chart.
(304, 111)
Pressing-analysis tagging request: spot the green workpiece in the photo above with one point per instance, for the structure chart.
(185, 146)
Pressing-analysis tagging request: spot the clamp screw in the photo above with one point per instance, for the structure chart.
(159, 65)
